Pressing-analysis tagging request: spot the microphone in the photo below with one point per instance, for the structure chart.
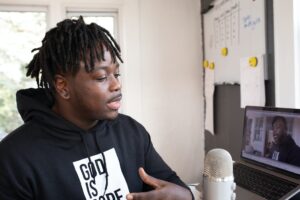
(218, 180)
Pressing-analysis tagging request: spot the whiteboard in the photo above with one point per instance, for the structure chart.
(240, 27)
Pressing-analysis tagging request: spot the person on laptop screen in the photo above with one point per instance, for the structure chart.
(283, 148)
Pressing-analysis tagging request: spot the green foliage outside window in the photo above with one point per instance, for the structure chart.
(9, 117)
(20, 32)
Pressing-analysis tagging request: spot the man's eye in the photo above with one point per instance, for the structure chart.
(102, 78)
(117, 75)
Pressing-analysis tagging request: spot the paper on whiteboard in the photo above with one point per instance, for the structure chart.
(209, 97)
(252, 82)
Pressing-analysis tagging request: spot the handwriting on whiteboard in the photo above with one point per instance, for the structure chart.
(250, 22)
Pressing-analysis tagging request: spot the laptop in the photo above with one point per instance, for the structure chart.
(271, 152)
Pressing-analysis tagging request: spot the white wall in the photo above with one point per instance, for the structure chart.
(171, 81)
(287, 75)
(162, 75)
(296, 8)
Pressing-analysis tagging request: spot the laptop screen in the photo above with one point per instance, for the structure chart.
(272, 137)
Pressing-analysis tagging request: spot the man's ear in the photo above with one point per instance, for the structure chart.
(61, 86)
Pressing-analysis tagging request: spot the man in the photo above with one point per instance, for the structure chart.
(74, 144)
(284, 148)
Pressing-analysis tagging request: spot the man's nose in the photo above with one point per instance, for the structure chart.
(115, 83)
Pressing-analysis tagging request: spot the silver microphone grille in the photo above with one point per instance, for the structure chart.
(218, 164)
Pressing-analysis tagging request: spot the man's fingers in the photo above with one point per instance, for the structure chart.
(162, 189)
(142, 195)
(129, 197)
(149, 180)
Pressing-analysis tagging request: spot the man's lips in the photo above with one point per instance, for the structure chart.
(115, 103)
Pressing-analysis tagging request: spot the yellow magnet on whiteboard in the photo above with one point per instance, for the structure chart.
(205, 63)
(224, 51)
(253, 61)
(211, 65)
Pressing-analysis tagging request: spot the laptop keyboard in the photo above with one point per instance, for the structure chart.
(261, 183)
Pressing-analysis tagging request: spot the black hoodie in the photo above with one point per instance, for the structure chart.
(287, 151)
(50, 158)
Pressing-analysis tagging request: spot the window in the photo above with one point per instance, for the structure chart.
(21, 30)
(248, 132)
(106, 19)
(258, 129)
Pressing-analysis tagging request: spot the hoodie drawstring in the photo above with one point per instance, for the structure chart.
(104, 163)
(91, 164)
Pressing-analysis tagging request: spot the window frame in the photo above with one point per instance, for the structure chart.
(96, 12)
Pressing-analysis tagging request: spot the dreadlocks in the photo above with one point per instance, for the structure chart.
(68, 44)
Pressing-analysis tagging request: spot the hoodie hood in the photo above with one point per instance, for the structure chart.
(36, 104)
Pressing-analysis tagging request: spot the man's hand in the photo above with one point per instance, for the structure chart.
(163, 190)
